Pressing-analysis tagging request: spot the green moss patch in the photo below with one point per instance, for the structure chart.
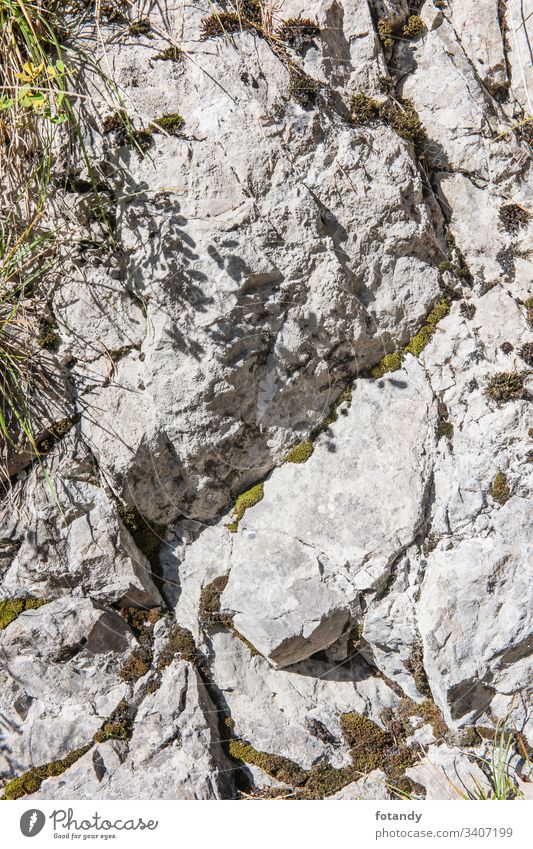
(499, 489)
(385, 33)
(303, 88)
(506, 386)
(31, 781)
(209, 607)
(368, 742)
(421, 339)
(390, 362)
(298, 33)
(140, 27)
(300, 453)
(222, 23)
(415, 665)
(137, 665)
(248, 498)
(148, 536)
(444, 429)
(170, 54)
(414, 27)
(11, 608)
(119, 726)
(277, 766)
(526, 352)
(171, 122)
(401, 116)
(180, 642)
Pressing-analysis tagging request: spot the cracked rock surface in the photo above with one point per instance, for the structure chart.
(284, 546)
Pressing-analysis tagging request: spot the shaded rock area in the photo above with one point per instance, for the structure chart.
(280, 545)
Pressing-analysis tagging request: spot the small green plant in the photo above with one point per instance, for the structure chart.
(390, 362)
(118, 726)
(303, 88)
(401, 116)
(300, 453)
(298, 32)
(526, 352)
(248, 499)
(503, 785)
(171, 122)
(506, 386)
(414, 27)
(499, 489)
(140, 27)
(385, 33)
(222, 23)
(31, 781)
(170, 54)
(421, 339)
(11, 608)
(444, 429)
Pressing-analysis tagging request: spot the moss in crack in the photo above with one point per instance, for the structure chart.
(414, 27)
(400, 115)
(170, 54)
(118, 726)
(499, 488)
(444, 429)
(31, 780)
(421, 339)
(415, 666)
(142, 139)
(398, 719)
(513, 218)
(368, 742)
(11, 608)
(210, 615)
(300, 453)
(467, 310)
(529, 314)
(137, 665)
(526, 352)
(249, 498)
(506, 386)
(222, 23)
(142, 26)
(390, 362)
(385, 33)
(55, 433)
(180, 642)
(209, 606)
(303, 88)
(147, 536)
(171, 122)
(48, 336)
(280, 768)
(298, 33)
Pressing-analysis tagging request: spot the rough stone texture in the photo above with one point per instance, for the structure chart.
(173, 752)
(324, 531)
(60, 679)
(262, 258)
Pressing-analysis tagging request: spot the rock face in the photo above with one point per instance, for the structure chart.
(324, 533)
(279, 538)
